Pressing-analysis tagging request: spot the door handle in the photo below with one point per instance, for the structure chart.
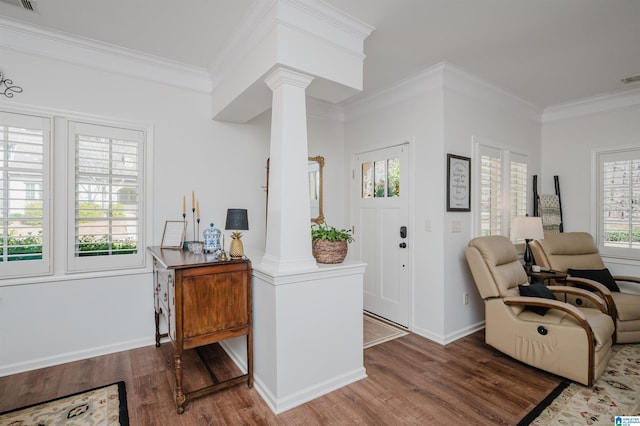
(403, 232)
(403, 245)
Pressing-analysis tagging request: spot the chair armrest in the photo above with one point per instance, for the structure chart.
(593, 285)
(548, 303)
(586, 294)
(603, 291)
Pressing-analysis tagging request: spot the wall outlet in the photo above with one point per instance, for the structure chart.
(465, 298)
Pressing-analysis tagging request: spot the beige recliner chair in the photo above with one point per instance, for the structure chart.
(568, 341)
(577, 251)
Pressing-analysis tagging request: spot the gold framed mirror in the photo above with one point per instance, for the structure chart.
(316, 165)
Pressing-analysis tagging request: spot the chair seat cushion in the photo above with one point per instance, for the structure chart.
(603, 276)
(536, 290)
(628, 306)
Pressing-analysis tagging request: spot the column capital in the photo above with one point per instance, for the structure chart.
(282, 76)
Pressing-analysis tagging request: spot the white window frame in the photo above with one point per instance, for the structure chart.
(598, 157)
(43, 266)
(108, 262)
(507, 156)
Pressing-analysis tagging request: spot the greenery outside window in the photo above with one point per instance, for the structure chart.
(381, 179)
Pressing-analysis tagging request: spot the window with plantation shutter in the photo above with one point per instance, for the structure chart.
(490, 192)
(25, 243)
(501, 193)
(618, 203)
(107, 204)
(518, 187)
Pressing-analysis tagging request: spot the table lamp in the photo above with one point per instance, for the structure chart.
(236, 220)
(529, 228)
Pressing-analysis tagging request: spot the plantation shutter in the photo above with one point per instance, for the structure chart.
(107, 183)
(501, 192)
(518, 188)
(490, 191)
(25, 242)
(619, 203)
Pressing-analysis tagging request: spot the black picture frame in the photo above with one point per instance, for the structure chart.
(458, 183)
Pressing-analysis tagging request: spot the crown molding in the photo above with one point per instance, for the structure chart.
(26, 38)
(592, 105)
(427, 81)
(467, 84)
(443, 76)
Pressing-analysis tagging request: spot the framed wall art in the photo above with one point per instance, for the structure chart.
(458, 183)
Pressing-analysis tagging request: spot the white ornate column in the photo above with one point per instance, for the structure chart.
(288, 243)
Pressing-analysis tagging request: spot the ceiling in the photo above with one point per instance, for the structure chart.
(547, 52)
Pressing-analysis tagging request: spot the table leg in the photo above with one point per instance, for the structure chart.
(180, 397)
(157, 318)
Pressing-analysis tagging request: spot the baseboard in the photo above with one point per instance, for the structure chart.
(279, 405)
(282, 404)
(451, 337)
(7, 370)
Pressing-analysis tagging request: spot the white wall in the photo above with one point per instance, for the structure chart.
(56, 319)
(567, 149)
(472, 109)
(326, 138)
(441, 111)
(224, 163)
(390, 119)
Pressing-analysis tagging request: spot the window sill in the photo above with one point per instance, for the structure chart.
(47, 279)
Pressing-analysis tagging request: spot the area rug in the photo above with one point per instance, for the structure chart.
(615, 393)
(103, 406)
(377, 331)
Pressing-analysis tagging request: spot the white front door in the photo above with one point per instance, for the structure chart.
(380, 200)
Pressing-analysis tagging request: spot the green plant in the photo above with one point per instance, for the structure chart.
(325, 232)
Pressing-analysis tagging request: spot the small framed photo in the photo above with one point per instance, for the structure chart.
(458, 183)
(173, 235)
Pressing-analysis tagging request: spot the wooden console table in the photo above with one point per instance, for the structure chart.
(204, 301)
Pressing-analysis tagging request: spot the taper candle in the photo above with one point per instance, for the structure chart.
(198, 209)
(193, 200)
(184, 205)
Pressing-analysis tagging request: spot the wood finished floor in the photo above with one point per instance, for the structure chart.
(411, 381)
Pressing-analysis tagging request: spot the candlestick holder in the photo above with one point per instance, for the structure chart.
(184, 228)
(223, 256)
(193, 217)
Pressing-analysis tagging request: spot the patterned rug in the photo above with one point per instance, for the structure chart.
(377, 331)
(103, 406)
(615, 393)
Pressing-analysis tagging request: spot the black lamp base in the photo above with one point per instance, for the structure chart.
(527, 255)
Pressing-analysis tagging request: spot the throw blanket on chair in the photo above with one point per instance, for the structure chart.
(549, 208)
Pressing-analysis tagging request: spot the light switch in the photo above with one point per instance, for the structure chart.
(456, 226)
(427, 225)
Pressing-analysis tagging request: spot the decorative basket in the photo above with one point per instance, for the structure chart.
(326, 251)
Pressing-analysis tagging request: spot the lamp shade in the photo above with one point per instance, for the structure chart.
(527, 227)
(237, 220)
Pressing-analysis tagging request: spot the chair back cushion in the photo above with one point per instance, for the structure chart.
(575, 250)
(495, 266)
